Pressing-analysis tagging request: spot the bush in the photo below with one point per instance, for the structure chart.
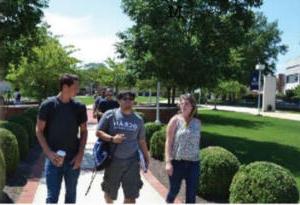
(263, 182)
(32, 114)
(27, 124)
(218, 167)
(9, 146)
(150, 128)
(157, 144)
(2, 172)
(21, 135)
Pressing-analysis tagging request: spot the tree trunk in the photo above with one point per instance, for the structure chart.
(173, 94)
(169, 95)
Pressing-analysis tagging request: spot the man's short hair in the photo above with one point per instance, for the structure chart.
(67, 79)
(126, 93)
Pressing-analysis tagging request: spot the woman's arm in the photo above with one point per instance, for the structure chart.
(169, 143)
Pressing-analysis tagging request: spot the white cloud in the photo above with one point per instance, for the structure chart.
(80, 32)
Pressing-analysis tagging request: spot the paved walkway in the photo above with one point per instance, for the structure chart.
(151, 193)
(276, 114)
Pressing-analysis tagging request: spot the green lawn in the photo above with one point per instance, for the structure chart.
(87, 100)
(252, 138)
(145, 100)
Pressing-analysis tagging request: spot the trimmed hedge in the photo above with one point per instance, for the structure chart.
(9, 146)
(2, 172)
(21, 135)
(150, 128)
(27, 124)
(157, 144)
(263, 182)
(32, 112)
(218, 166)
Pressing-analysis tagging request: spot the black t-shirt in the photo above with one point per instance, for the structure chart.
(62, 124)
(108, 105)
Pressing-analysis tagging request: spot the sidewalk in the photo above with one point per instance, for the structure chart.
(253, 111)
(148, 194)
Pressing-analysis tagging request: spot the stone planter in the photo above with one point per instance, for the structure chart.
(7, 111)
(165, 113)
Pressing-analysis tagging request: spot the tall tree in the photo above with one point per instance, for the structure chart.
(184, 42)
(18, 29)
(38, 75)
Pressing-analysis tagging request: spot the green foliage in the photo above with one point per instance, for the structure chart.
(207, 38)
(21, 136)
(27, 124)
(218, 167)
(263, 182)
(157, 144)
(32, 114)
(151, 128)
(297, 91)
(19, 30)
(2, 172)
(51, 60)
(231, 90)
(9, 146)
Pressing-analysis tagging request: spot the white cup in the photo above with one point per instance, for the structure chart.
(62, 155)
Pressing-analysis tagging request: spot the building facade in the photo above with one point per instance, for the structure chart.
(292, 74)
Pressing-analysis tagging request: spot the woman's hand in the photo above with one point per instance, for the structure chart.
(169, 168)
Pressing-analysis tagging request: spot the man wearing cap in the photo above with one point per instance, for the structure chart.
(125, 130)
(57, 126)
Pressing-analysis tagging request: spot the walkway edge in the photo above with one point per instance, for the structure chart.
(29, 190)
(158, 186)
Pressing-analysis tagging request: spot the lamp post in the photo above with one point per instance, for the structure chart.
(157, 121)
(259, 67)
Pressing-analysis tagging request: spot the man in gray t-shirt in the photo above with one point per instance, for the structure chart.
(125, 130)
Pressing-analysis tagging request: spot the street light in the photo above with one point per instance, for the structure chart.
(157, 121)
(259, 67)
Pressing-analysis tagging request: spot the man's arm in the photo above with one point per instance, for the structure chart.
(40, 127)
(143, 147)
(83, 139)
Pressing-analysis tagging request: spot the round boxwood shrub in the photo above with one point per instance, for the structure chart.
(21, 135)
(150, 128)
(217, 168)
(9, 146)
(157, 144)
(2, 172)
(27, 124)
(263, 182)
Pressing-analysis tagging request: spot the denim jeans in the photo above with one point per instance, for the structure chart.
(54, 177)
(190, 172)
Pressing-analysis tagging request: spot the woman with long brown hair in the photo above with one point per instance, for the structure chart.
(182, 150)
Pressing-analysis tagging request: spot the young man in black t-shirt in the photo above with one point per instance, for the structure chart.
(107, 104)
(59, 118)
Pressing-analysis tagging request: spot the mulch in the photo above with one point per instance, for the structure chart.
(158, 170)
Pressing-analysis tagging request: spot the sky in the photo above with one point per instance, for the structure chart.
(91, 26)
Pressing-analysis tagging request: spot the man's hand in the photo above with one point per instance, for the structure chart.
(54, 158)
(77, 161)
(119, 138)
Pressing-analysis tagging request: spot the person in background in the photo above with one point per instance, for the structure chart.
(98, 100)
(182, 150)
(17, 96)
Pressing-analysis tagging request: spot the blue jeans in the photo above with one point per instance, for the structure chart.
(54, 177)
(188, 170)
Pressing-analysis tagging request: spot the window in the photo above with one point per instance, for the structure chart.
(292, 78)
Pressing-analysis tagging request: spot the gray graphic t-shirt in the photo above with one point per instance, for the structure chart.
(132, 126)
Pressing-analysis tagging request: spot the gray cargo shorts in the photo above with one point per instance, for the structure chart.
(125, 172)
